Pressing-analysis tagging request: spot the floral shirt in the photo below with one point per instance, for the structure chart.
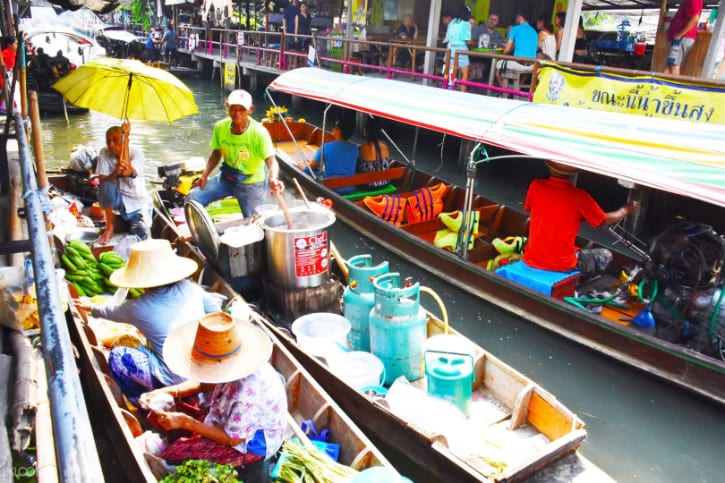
(258, 401)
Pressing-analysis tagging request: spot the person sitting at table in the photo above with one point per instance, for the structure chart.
(547, 40)
(407, 32)
(522, 42)
(494, 38)
(339, 157)
(374, 153)
(246, 403)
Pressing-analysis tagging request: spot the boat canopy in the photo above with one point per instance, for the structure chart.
(681, 157)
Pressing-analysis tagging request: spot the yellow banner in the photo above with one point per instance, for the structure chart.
(230, 75)
(643, 95)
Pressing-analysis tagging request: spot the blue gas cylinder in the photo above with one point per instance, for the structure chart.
(398, 327)
(358, 299)
(450, 377)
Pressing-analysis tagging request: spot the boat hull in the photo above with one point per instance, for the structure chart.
(679, 364)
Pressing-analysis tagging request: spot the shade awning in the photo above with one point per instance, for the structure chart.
(684, 158)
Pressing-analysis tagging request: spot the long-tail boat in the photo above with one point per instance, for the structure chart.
(676, 333)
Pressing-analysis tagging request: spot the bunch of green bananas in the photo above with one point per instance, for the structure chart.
(88, 275)
(109, 262)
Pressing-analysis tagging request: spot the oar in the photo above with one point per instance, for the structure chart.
(302, 193)
(283, 207)
(340, 262)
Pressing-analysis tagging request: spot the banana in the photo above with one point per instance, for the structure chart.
(71, 251)
(79, 289)
(80, 247)
(106, 269)
(75, 277)
(79, 262)
(68, 263)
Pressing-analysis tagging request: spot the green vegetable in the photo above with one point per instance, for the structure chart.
(202, 471)
(303, 464)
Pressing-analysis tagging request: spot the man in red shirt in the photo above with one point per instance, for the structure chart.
(557, 209)
(682, 34)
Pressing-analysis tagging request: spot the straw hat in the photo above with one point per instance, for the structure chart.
(152, 263)
(216, 349)
(558, 169)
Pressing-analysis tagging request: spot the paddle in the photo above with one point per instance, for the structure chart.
(283, 207)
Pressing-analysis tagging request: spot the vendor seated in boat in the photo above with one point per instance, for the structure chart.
(374, 153)
(557, 209)
(339, 157)
(169, 300)
(246, 417)
(122, 185)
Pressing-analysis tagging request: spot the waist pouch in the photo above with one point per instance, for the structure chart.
(232, 175)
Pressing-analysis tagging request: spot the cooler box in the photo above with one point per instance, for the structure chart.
(554, 284)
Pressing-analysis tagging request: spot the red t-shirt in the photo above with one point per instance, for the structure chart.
(687, 10)
(557, 209)
(9, 59)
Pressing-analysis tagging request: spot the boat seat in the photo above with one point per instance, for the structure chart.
(547, 282)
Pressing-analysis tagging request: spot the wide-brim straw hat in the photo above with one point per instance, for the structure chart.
(152, 263)
(559, 169)
(216, 349)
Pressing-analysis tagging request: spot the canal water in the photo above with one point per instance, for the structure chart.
(640, 428)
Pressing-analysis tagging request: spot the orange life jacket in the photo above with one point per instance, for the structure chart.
(390, 208)
(425, 203)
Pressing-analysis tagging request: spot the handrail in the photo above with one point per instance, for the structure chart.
(75, 449)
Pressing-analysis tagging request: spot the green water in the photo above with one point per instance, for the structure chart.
(640, 428)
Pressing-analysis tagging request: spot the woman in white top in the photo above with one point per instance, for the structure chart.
(547, 40)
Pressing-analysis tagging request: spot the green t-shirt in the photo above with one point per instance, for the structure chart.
(244, 152)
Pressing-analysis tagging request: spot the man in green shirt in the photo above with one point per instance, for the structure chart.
(247, 152)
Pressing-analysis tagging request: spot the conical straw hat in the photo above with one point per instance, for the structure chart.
(216, 349)
(152, 263)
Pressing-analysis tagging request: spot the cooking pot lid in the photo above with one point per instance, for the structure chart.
(202, 229)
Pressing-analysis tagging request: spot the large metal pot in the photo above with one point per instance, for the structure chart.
(298, 257)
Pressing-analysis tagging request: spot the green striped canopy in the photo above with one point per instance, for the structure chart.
(675, 156)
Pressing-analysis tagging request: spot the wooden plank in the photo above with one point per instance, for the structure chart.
(552, 420)
(364, 178)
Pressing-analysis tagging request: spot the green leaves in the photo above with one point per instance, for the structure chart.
(202, 471)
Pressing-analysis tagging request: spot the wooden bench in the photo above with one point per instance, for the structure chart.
(364, 178)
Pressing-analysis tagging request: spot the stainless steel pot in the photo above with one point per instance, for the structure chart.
(298, 257)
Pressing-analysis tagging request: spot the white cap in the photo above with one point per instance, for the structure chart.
(240, 97)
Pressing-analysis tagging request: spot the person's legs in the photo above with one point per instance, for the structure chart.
(110, 199)
(216, 188)
(139, 224)
(250, 196)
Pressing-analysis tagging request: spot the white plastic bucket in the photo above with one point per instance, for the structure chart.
(322, 334)
(359, 369)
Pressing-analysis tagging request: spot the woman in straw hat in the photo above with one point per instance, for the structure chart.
(557, 209)
(169, 301)
(248, 405)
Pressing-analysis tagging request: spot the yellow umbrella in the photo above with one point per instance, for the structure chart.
(128, 89)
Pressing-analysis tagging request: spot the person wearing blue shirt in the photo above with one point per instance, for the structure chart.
(339, 156)
(288, 22)
(522, 42)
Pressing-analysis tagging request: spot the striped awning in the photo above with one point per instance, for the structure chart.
(674, 156)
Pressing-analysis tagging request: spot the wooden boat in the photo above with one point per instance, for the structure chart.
(674, 163)
(306, 399)
(520, 427)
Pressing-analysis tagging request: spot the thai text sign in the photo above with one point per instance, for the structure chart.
(642, 95)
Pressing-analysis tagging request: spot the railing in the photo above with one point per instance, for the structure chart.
(75, 448)
(336, 53)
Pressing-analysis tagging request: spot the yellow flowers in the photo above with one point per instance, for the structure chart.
(276, 113)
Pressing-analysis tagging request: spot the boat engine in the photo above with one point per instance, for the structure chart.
(176, 182)
(686, 263)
